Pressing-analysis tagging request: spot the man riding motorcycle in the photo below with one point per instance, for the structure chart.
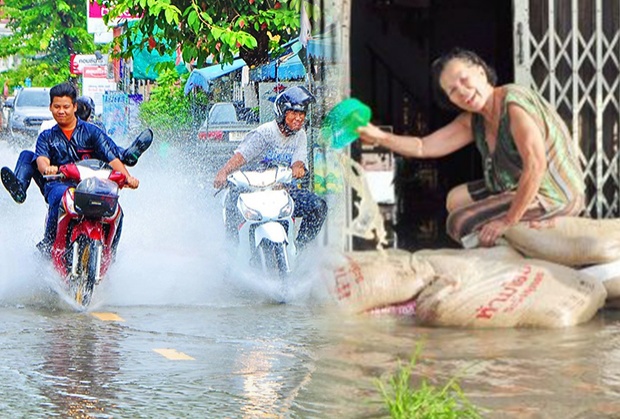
(17, 182)
(281, 141)
(69, 141)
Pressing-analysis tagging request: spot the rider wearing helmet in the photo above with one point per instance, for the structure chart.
(85, 107)
(297, 99)
(282, 141)
(86, 112)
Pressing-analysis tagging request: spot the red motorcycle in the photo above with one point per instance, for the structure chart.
(88, 220)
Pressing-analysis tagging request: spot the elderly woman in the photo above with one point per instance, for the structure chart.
(531, 166)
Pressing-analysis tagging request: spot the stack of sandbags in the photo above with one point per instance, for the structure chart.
(497, 287)
(386, 281)
(570, 241)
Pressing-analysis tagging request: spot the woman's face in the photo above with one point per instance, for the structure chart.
(465, 84)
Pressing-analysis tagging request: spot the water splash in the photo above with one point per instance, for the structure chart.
(21, 227)
(369, 222)
(172, 250)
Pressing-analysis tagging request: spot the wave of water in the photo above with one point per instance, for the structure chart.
(172, 249)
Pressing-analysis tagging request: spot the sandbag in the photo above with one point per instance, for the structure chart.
(367, 280)
(446, 261)
(612, 286)
(570, 241)
(609, 275)
(485, 288)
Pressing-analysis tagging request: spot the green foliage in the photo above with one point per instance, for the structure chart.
(253, 29)
(426, 401)
(44, 34)
(168, 108)
(41, 73)
(50, 30)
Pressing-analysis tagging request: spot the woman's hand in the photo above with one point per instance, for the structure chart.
(372, 134)
(493, 230)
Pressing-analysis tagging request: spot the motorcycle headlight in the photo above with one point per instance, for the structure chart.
(248, 213)
(287, 210)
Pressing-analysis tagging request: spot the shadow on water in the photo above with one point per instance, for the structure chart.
(80, 363)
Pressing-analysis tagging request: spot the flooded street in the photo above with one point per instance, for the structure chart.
(156, 362)
(171, 333)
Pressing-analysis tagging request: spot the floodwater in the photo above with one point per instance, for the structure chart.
(172, 334)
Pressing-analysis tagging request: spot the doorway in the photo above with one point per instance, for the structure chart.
(393, 43)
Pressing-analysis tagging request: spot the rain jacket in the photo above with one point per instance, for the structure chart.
(87, 142)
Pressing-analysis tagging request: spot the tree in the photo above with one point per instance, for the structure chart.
(253, 29)
(167, 108)
(45, 33)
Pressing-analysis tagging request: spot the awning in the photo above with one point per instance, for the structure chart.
(322, 47)
(145, 61)
(283, 68)
(202, 77)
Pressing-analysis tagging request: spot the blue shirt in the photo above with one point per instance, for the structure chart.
(87, 142)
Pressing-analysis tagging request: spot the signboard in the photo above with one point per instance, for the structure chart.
(79, 61)
(95, 24)
(94, 20)
(116, 114)
(95, 84)
(103, 37)
(97, 11)
(98, 72)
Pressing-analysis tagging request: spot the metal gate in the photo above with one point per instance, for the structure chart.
(569, 50)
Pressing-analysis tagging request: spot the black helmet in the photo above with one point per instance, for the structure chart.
(85, 107)
(296, 98)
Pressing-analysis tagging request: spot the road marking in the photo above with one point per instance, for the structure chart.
(173, 354)
(107, 317)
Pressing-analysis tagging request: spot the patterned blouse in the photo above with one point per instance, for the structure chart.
(563, 181)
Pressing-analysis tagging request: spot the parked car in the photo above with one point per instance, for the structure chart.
(222, 124)
(27, 112)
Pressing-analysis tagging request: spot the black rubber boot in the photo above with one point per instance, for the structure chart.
(139, 146)
(13, 185)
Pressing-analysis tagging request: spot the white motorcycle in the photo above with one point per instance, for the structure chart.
(264, 219)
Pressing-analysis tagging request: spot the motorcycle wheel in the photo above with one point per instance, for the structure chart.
(88, 270)
(274, 256)
(281, 260)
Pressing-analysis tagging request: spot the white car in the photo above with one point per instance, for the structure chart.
(29, 109)
(222, 124)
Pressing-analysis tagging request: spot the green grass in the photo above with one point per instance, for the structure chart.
(424, 401)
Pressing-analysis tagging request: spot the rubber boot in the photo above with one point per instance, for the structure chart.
(139, 146)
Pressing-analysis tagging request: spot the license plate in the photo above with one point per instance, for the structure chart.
(236, 136)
